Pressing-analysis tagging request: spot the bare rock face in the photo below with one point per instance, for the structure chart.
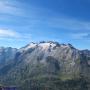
(44, 60)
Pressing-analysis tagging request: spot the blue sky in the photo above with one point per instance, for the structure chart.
(25, 21)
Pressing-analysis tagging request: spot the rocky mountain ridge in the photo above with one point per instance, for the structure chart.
(39, 61)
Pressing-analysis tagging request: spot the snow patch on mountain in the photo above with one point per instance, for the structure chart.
(47, 45)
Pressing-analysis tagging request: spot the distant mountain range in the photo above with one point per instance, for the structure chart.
(45, 66)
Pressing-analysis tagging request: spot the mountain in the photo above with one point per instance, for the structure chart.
(46, 66)
(6, 55)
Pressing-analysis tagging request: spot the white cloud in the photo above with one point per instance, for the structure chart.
(9, 7)
(5, 33)
(79, 35)
(69, 24)
(11, 35)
